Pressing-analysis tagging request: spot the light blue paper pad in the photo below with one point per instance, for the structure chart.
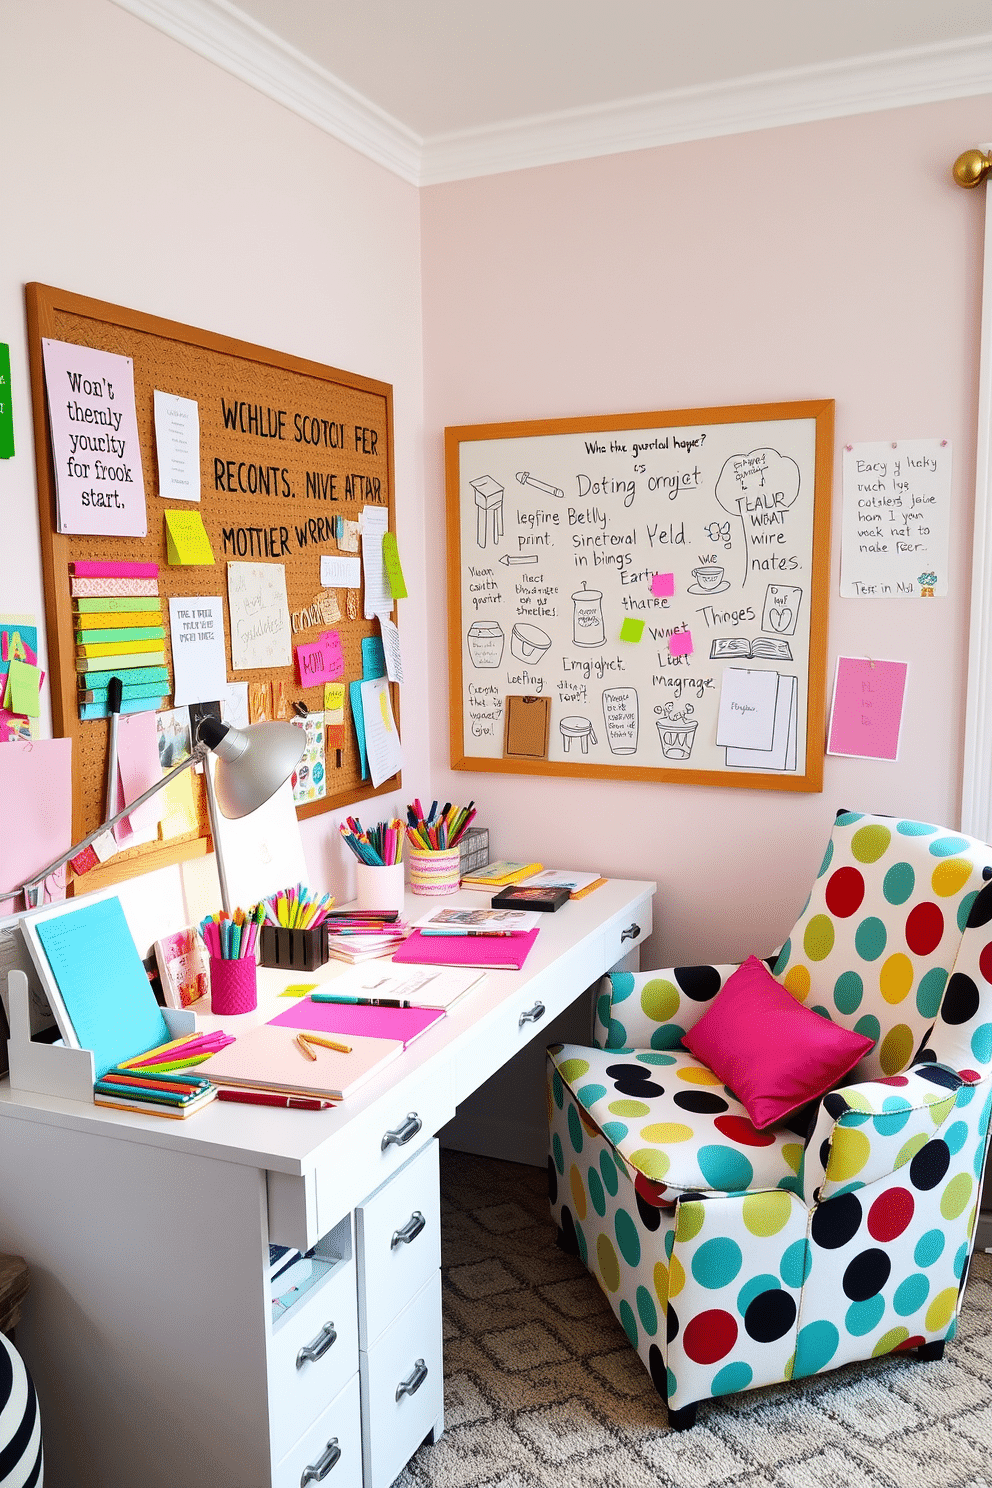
(103, 984)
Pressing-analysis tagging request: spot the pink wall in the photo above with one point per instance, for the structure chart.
(139, 173)
(828, 260)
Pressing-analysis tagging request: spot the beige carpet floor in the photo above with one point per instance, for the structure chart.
(542, 1389)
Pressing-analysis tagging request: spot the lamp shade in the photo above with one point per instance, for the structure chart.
(252, 763)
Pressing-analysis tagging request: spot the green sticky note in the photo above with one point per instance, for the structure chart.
(394, 569)
(6, 410)
(298, 989)
(631, 629)
(24, 685)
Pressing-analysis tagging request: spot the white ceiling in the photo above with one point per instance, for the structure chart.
(439, 90)
(443, 65)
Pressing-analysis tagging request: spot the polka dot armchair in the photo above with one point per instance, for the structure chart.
(737, 1258)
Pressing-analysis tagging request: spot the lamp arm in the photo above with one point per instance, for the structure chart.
(199, 754)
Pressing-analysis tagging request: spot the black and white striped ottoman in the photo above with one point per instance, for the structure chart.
(20, 1423)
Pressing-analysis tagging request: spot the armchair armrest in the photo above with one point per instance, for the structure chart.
(653, 1009)
(868, 1131)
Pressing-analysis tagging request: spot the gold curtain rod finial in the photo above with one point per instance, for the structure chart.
(971, 168)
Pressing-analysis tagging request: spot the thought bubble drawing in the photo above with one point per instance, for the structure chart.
(759, 488)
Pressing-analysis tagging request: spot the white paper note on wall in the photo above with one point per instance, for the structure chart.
(747, 709)
(382, 741)
(199, 661)
(260, 629)
(378, 595)
(895, 523)
(177, 445)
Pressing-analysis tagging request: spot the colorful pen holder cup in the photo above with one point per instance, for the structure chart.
(233, 985)
(293, 950)
(434, 873)
(379, 888)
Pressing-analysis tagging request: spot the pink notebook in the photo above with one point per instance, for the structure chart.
(268, 1058)
(404, 1024)
(491, 952)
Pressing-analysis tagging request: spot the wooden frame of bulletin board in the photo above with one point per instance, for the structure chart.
(324, 436)
(642, 596)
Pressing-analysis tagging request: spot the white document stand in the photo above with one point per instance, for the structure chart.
(148, 1327)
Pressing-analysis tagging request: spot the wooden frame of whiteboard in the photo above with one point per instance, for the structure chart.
(45, 305)
(822, 412)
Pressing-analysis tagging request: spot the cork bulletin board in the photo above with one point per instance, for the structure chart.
(286, 446)
(643, 595)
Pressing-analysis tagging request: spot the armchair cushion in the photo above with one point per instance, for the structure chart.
(671, 1123)
(773, 1053)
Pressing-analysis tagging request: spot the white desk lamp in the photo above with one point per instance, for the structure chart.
(252, 763)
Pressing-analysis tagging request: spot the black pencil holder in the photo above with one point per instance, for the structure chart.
(294, 950)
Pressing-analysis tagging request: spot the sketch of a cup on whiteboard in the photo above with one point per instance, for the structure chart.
(587, 617)
(677, 731)
(620, 714)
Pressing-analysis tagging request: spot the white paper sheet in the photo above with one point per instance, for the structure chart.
(747, 709)
(199, 662)
(234, 704)
(784, 751)
(177, 445)
(340, 573)
(391, 648)
(385, 754)
(261, 635)
(897, 497)
(378, 596)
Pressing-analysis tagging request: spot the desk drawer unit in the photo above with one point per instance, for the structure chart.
(331, 1451)
(626, 933)
(402, 1387)
(398, 1242)
(314, 1350)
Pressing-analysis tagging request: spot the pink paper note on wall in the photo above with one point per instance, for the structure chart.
(866, 716)
(35, 813)
(139, 768)
(320, 661)
(663, 586)
(680, 644)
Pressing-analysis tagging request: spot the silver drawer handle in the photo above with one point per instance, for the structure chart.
(313, 1351)
(403, 1133)
(410, 1230)
(412, 1385)
(317, 1471)
(631, 933)
(532, 1015)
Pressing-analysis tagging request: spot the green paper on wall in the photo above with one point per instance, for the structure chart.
(394, 569)
(631, 630)
(6, 410)
(23, 688)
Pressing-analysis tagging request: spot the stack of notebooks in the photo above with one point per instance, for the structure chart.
(356, 935)
(177, 1095)
(497, 875)
(117, 621)
(493, 939)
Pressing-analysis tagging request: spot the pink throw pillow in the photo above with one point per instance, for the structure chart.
(774, 1054)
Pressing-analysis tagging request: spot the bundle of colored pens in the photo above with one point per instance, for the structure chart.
(159, 1082)
(232, 937)
(435, 833)
(380, 846)
(296, 909)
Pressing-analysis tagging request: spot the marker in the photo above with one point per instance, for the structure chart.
(519, 558)
(325, 1043)
(526, 479)
(269, 1098)
(360, 1001)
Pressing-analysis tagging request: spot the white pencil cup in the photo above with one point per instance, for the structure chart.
(379, 888)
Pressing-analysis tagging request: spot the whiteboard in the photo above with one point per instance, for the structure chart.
(654, 585)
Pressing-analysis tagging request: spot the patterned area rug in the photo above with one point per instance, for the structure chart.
(542, 1389)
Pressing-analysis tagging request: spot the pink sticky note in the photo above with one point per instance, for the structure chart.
(663, 585)
(320, 661)
(866, 716)
(680, 644)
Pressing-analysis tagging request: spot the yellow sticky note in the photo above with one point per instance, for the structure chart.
(394, 569)
(298, 989)
(23, 687)
(187, 540)
(179, 810)
(334, 699)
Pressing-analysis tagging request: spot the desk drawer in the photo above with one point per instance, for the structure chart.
(331, 1451)
(313, 1351)
(626, 933)
(398, 1242)
(402, 1387)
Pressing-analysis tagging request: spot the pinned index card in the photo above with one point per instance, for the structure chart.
(866, 717)
(747, 709)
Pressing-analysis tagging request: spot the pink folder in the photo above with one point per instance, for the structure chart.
(35, 812)
(491, 952)
(90, 570)
(404, 1024)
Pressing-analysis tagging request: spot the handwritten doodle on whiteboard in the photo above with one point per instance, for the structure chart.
(620, 568)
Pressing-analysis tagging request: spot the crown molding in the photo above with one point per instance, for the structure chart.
(225, 35)
(769, 100)
(222, 33)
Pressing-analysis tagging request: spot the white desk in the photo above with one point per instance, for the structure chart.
(147, 1327)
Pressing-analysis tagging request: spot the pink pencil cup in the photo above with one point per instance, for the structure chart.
(233, 985)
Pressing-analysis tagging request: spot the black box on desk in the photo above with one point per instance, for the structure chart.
(294, 950)
(473, 850)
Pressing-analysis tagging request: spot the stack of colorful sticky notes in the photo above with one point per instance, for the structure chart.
(117, 619)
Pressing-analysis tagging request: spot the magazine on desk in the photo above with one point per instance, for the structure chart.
(459, 920)
(419, 986)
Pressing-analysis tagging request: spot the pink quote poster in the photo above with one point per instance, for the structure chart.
(866, 717)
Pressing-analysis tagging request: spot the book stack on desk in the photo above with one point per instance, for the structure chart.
(358, 935)
(493, 939)
(119, 632)
(497, 875)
